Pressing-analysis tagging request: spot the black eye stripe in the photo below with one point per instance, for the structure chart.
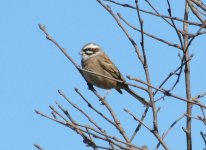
(87, 49)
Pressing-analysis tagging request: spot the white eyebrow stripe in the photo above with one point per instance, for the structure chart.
(91, 46)
(89, 52)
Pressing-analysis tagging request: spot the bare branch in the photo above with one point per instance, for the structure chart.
(150, 35)
(81, 111)
(155, 14)
(65, 112)
(151, 130)
(200, 4)
(171, 74)
(167, 93)
(124, 30)
(91, 139)
(170, 128)
(116, 120)
(195, 11)
(173, 23)
(187, 80)
(56, 112)
(204, 138)
(93, 134)
(201, 95)
(197, 33)
(139, 125)
(43, 28)
(38, 146)
(93, 108)
(196, 118)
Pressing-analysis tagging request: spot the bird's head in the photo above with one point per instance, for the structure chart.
(90, 50)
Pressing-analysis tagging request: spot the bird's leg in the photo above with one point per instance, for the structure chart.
(106, 93)
(90, 87)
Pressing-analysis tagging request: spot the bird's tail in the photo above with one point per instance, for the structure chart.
(135, 95)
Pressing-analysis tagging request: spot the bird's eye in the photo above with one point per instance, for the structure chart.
(87, 49)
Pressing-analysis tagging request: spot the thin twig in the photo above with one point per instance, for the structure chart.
(91, 139)
(194, 10)
(135, 118)
(116, 120)
(38, 147)
(65, 112)
(171, 24)
(150, 35)
(204, 138)
(124, 30)
(155, 14)
(84, 132)
(109, 138)
(168, 93)
(171, 74)
(196, 118)
(139, 125)
(147, 74)
(72, 126)
(43, 28)
(56, 112)
(155, 133)
(170, 128)
(201, 95)
(200, 4)
(174, 26)
(196, 34)
(93, 108)
(80, 110)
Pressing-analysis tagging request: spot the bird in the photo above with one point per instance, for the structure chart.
(95, 60)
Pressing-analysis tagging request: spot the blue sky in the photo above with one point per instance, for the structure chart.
(33, 69)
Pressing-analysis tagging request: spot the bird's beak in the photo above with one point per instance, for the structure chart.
(81, 53)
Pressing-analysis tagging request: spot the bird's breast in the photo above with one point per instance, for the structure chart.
(97, 80)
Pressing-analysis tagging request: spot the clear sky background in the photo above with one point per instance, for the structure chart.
(33, 69)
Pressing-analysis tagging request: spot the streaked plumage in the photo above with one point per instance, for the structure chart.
(95, 60)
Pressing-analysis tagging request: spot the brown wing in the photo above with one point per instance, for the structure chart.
(108, 65)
